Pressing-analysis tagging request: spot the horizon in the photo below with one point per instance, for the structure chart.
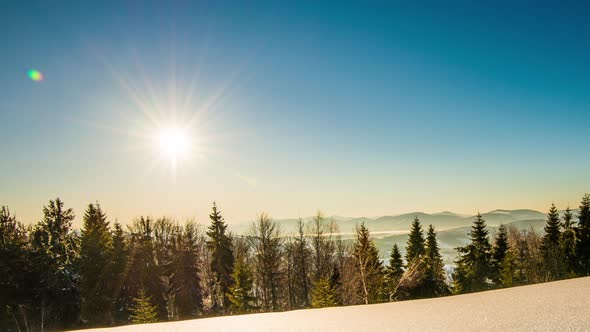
(77, 223)
(350, 109)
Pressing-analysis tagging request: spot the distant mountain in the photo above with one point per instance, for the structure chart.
(396, 223)
(452, 228)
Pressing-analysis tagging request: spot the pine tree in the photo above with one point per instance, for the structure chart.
(241, 292)
(474, 270)
(118, 288)
(499, 252)
(552, 229)
(95, 247)
(323, 294)
(15, 270)
(143, 269)
(509, 275)
(416, 243)
(222, 258)
(368, 265)
(567, 242)
(583, 237)
(143, 311)
(393, 272)
(434, 282)
(550, 250)
(55, 250)
(395, 268)
(185, 279)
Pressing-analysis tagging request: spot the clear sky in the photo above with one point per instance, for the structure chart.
(354, 109)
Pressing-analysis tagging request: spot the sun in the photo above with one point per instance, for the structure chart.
(174, 143)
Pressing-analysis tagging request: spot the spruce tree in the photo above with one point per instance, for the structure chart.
(474, 270)
(550, 249)
(395, 268)
(185, 279)
(393, 272)
(55, 251)
(416, 243)
(499, 252)
(583, 237)
(95, 247)
(323, 294)
(143, 311)
(434, 281)
(567, 242)
(118, 287)
(222, 258)
(15, 271)
(144, 272)
(552, 230)
(241, 292)
(368, 265)
(509, 270)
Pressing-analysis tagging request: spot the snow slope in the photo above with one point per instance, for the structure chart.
(555, 306)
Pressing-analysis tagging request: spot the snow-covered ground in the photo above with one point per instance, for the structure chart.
(556, 306)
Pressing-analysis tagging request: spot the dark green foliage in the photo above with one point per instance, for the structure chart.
(567, 243)
(393, 272)
(396, 265)
(185, 280)
(119, 290)
(95, 251)
(425, 276)
(508, 275)
(143, 270)
(15, 272)
(51, 278)
(323, 294)
(222, 259)
(416, 244)
(552, 229)
(369, 268)
(550, 249)
(474, 270)
(143, 311)
(583, 237)
(241, 292)
(55, 250)
(499, 252)
(434, 282)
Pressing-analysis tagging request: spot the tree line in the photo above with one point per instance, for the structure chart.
(54, 277)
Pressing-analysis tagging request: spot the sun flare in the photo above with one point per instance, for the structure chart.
(174, 143)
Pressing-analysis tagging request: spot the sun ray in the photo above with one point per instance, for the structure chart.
(178, 108)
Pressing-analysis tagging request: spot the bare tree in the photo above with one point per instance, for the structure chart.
(322, 232)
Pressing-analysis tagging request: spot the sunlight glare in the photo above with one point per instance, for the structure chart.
(174, 142)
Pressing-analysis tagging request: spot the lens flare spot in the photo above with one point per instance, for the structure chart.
(35, 75)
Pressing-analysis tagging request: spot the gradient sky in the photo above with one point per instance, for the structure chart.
(354, 109)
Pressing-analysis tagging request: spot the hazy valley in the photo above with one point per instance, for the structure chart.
(452, 228)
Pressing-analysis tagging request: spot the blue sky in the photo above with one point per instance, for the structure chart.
(355, 109)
